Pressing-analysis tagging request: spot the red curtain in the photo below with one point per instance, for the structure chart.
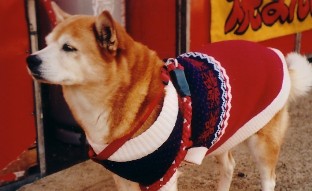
(17, 122)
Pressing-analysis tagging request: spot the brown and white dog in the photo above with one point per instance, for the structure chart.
(110, 81)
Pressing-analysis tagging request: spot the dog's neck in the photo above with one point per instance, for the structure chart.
(109, 114)
(93, 115)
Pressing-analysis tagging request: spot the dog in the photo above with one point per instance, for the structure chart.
(143, 116)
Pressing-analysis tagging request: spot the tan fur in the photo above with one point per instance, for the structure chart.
(121, 67)
(109, 80)
(265, 147)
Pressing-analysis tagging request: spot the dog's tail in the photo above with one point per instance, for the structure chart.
(300, 71)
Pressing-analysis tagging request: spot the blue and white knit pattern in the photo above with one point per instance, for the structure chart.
(201, 65)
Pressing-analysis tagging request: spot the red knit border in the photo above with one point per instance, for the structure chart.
(185, 104)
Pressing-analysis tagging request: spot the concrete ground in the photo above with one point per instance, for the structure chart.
(294, 169)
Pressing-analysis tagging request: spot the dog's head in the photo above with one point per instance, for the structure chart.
(78, 49)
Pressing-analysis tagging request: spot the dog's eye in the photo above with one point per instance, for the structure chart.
(68, 48)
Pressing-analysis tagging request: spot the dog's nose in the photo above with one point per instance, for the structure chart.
(33, 62)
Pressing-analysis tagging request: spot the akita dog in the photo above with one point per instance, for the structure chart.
(143, 116)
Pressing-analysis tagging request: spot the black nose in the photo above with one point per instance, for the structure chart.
(34, 63)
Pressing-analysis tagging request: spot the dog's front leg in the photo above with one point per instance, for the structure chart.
(226, 167)
(125, 185)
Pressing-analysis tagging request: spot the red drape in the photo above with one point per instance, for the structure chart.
(17, 123)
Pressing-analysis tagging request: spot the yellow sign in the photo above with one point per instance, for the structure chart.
(258, 20)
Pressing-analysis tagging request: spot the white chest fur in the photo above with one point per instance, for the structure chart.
(92, 117)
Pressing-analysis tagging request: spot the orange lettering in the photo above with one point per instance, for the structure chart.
(245, 13)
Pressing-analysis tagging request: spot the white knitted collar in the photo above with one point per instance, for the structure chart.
(152, 138)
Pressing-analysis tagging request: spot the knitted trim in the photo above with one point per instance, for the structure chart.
(156, 135)
(186, 107)
(261, 119)
(196, 155)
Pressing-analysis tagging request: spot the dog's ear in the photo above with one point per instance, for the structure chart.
(106, 31)
(59, 13)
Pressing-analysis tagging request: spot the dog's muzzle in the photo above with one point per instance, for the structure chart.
(34, 63)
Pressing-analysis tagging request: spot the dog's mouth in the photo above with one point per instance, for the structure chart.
(35, 74)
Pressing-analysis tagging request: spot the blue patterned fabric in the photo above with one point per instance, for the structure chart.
(209, 97)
